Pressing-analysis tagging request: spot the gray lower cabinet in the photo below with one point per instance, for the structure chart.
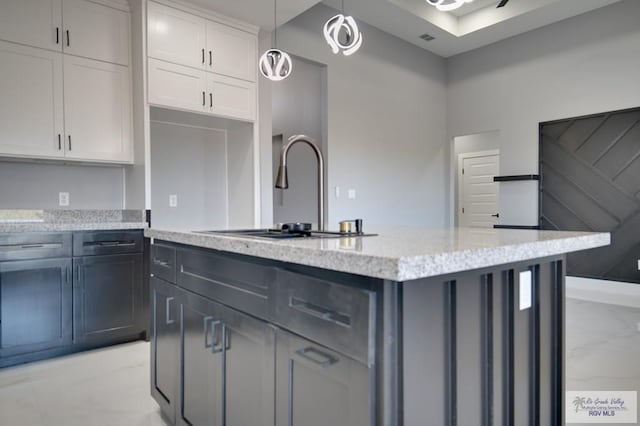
(316, 386)
(35, 305)
(107, 297)
(165, 346)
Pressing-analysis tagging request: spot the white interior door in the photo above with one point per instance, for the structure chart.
(478, 192)
(32, 22)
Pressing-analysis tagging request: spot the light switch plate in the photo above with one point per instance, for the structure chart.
(173, 200)
(337, 189)
(63, 198)
(525, 290)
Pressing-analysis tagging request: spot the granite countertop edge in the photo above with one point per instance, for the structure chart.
(8, 227)
(388, 266)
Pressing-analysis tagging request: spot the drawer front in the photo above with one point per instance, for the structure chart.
(23, 246)
(332, 314)
(163, 262)
(106, 242)
(231, 280)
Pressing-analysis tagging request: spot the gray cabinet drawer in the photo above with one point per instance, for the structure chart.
(22, 246)
(231, 280)
(163, 262)
(106, 242)
(338, 316)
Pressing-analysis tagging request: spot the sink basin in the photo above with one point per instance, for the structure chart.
(277, 234)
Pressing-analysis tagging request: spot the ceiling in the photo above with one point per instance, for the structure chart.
(474, 25)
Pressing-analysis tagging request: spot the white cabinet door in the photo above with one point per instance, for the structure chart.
(177, 86)
(97, 107)
(32, 22)
(175, 36)
(31, 114)
(95, 31)
(230, 97)
(231, 52)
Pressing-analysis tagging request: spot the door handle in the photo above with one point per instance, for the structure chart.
(168, 319)
(69, 137)
(210, 100)
(68, 39)
(317, 357)
(204, 99)
(222, 344)
(57, 35)
(495, 215)
(320, 312)
(162, 263)
(207, 334)
(203, 56)
(210, 58)
(59, 142)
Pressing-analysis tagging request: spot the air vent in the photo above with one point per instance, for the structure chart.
(427, 37)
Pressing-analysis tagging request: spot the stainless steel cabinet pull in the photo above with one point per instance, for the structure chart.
(203, 56)
(168, 319)
(68, 39)
(207, 343)
(69, 142)
(210, 58)
(57, 35)
(204, 100)
(59, 142)
(317, 357)
(219, 344)
(210, 100)
(31, 246)
(77, 272)
(162, 263)
(320, 312)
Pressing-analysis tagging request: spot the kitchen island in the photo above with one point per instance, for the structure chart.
(410, 327)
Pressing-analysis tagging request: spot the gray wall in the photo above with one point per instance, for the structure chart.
(299, 107)
(36, 186)
(583, 65)
(386, 124)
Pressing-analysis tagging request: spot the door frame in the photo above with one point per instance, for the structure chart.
(459, 186)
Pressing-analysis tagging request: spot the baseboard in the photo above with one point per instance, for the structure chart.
(602, 291)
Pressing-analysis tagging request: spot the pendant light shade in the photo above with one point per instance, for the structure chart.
(345, 26)
(448, 5)
(275, 64)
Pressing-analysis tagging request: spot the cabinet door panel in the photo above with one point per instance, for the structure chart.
(318, 387)
(201, 362)
(32, 22)
(108, 297)
(35, 305)
(249, 370)
(97, 110)
(31, 115)
(177, 86)
(96, 31)
(231, 97)
(165, 341)
(175, 36)
(233, 52)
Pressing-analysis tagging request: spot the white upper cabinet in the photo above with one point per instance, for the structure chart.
(97, 99)
(175, 36)
(95, 31)
(230, 97)
(177, 86)
(30, 102)
(231, 52)
(32, 22)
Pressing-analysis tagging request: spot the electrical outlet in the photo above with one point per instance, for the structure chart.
(173, 200)
(337, 189)
(63, 198)
(638, 264)
(525, 290)
(351, 194)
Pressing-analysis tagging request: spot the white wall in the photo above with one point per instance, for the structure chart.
(299, 107)
(583, 65)
(36, 186)
(386, 124)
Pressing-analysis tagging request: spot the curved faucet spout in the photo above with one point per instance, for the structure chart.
(282, 180)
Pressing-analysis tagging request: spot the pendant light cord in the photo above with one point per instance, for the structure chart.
(275, 24)
(343, 7)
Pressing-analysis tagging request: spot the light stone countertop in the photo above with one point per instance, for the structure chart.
(6, 227)
(70, 220)
(401, 254)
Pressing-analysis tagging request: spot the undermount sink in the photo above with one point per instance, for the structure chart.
(278, 234)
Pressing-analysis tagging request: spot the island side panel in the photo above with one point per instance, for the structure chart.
(471, 356)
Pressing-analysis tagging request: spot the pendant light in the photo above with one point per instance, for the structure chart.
(338, 24)
(275, 64)
(448, 5)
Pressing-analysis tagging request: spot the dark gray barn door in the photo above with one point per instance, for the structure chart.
(590, 181)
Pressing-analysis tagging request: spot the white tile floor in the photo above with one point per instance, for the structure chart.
(110, 387)
(106, 387)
